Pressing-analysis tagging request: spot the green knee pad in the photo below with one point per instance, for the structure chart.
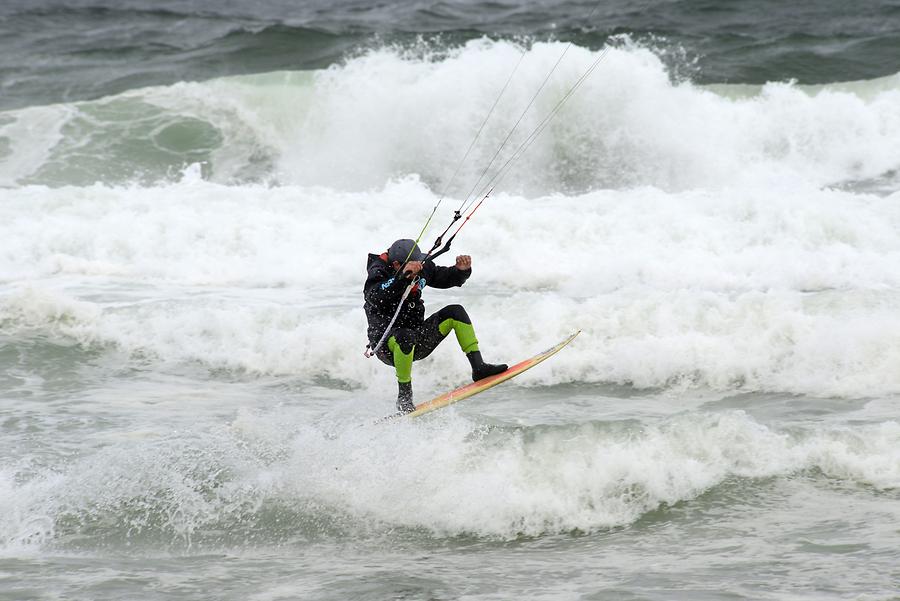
(465, 334)
(402, 361)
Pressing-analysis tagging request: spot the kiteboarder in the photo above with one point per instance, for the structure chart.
(412, 336)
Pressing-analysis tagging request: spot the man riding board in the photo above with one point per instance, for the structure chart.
(413, 337)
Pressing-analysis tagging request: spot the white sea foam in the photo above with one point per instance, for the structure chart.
(448, 478)
(728, 289)
(628, 124)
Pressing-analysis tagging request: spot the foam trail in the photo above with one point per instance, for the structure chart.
(30, 136)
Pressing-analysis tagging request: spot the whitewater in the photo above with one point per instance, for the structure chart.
(182, 335)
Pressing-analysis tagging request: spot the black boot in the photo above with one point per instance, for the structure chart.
(404, 398)
(482, 370)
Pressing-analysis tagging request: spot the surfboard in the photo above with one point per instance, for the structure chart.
(464, 392)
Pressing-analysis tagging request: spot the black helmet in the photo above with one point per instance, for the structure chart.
(405, 250)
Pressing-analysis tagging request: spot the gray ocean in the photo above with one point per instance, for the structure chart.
(189, 190)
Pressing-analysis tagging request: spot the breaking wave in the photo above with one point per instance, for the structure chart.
(392, 113)
(262, 480)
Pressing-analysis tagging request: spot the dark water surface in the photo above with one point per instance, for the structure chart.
(52, 51)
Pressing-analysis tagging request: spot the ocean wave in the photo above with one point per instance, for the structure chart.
(390, 113)
(264, 479)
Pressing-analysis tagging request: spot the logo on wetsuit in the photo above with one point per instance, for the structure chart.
(421, 283)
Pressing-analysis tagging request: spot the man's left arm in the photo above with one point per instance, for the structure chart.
(448, 277)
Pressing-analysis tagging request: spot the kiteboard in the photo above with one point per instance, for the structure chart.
(474, 388)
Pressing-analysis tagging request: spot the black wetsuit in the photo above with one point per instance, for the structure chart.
(382, 292)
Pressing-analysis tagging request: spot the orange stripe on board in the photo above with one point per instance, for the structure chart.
(465, 392)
